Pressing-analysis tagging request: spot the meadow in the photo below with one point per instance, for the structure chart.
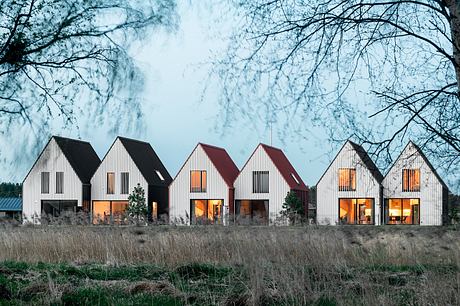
(236, 265)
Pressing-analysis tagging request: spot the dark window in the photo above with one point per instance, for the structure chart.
(411, 180)
(56, 208)
(45, 182)
(251, 211)
(124, 183)
(260, 181)
(59, 182)
(347, 179)
(198, 181)
(110, 183)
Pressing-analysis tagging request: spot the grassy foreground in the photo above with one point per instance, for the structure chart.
(208, 265)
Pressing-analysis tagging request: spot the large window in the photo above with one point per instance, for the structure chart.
(45, 182)
(260, 182)
(347, 179)
(56, 208)
(402, 211)
(198, 181)
(59, 182)
(356, 211)
(110, 183)
(252, 211)
(206, 211)
(109, 212)
(411, 180)
(124, 183)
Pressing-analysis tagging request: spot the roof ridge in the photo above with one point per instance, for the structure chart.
(269, 146)
(71, 139)
(134, 140)
(212, 146)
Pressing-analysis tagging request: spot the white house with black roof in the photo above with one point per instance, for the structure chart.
(414, 192)
(350, 190)
(127, 163)
(59, 180)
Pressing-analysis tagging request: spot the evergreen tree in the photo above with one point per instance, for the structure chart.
(293, 208)
(137, 207)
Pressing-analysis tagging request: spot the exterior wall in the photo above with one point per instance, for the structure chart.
(52, 160)
(179, 190)
(278, 187)
(328, 193)
(431, 190)
(117, 160)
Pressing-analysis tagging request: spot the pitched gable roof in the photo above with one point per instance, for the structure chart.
(365, 158)
(81, 157)
(80, 154)
(285, 167)
(147, 161)
(223, 163)
(367, 161)
(425, 159)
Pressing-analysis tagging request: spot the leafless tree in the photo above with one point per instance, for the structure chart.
(69, 59)
(300, 62)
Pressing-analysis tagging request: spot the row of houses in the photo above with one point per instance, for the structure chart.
(68, 176)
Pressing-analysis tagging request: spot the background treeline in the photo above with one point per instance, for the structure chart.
(10, 190)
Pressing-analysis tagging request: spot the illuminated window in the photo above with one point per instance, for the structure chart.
(59, 182)
(402, 211)
(206, 211)
(154, 210)
(347, 179)
(110, 183)
(109, 212)
(356, 211)
(411, 180)
(45, 182)
(260, 182)
(124, 183)
(198, 181)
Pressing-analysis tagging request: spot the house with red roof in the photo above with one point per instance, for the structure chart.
(262, 186)
(202, 191)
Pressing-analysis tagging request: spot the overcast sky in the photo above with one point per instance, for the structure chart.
(176, 118)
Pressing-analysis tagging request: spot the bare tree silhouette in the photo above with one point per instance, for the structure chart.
(69, 59)
(296, 61)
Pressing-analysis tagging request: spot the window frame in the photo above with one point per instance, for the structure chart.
(124, 186)
(107, 183)
(258, 181)
(59, 179)
(205, 180)
(350, 178)
(411, 176)
(42, 189)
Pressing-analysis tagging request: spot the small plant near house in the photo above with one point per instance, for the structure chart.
(137, 207)
(293, 208)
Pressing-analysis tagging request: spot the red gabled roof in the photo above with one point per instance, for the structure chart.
(284, 167)
(223, 162)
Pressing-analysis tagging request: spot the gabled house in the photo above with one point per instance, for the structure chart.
(350, 190)
(128, 163)
(262, 185)
(414, 193)
(202, 191)
(59, 180)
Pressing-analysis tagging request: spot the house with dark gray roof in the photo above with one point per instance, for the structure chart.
(413, 191)
(350, 190)
(127, 164)
(59, 180)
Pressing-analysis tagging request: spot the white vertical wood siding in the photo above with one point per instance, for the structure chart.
(430, 194)
(328, 193)
(52, 160)
(179, 190)
(117, 161)
(278, 187)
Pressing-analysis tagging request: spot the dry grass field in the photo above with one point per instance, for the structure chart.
(211, 265)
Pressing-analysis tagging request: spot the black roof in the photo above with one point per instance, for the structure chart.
(147, 161)
(81, 157)
(367, 161)
(80, 154)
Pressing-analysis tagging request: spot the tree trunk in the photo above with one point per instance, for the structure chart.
(454, 10)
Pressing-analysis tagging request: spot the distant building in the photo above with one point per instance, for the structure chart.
(11, 207)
